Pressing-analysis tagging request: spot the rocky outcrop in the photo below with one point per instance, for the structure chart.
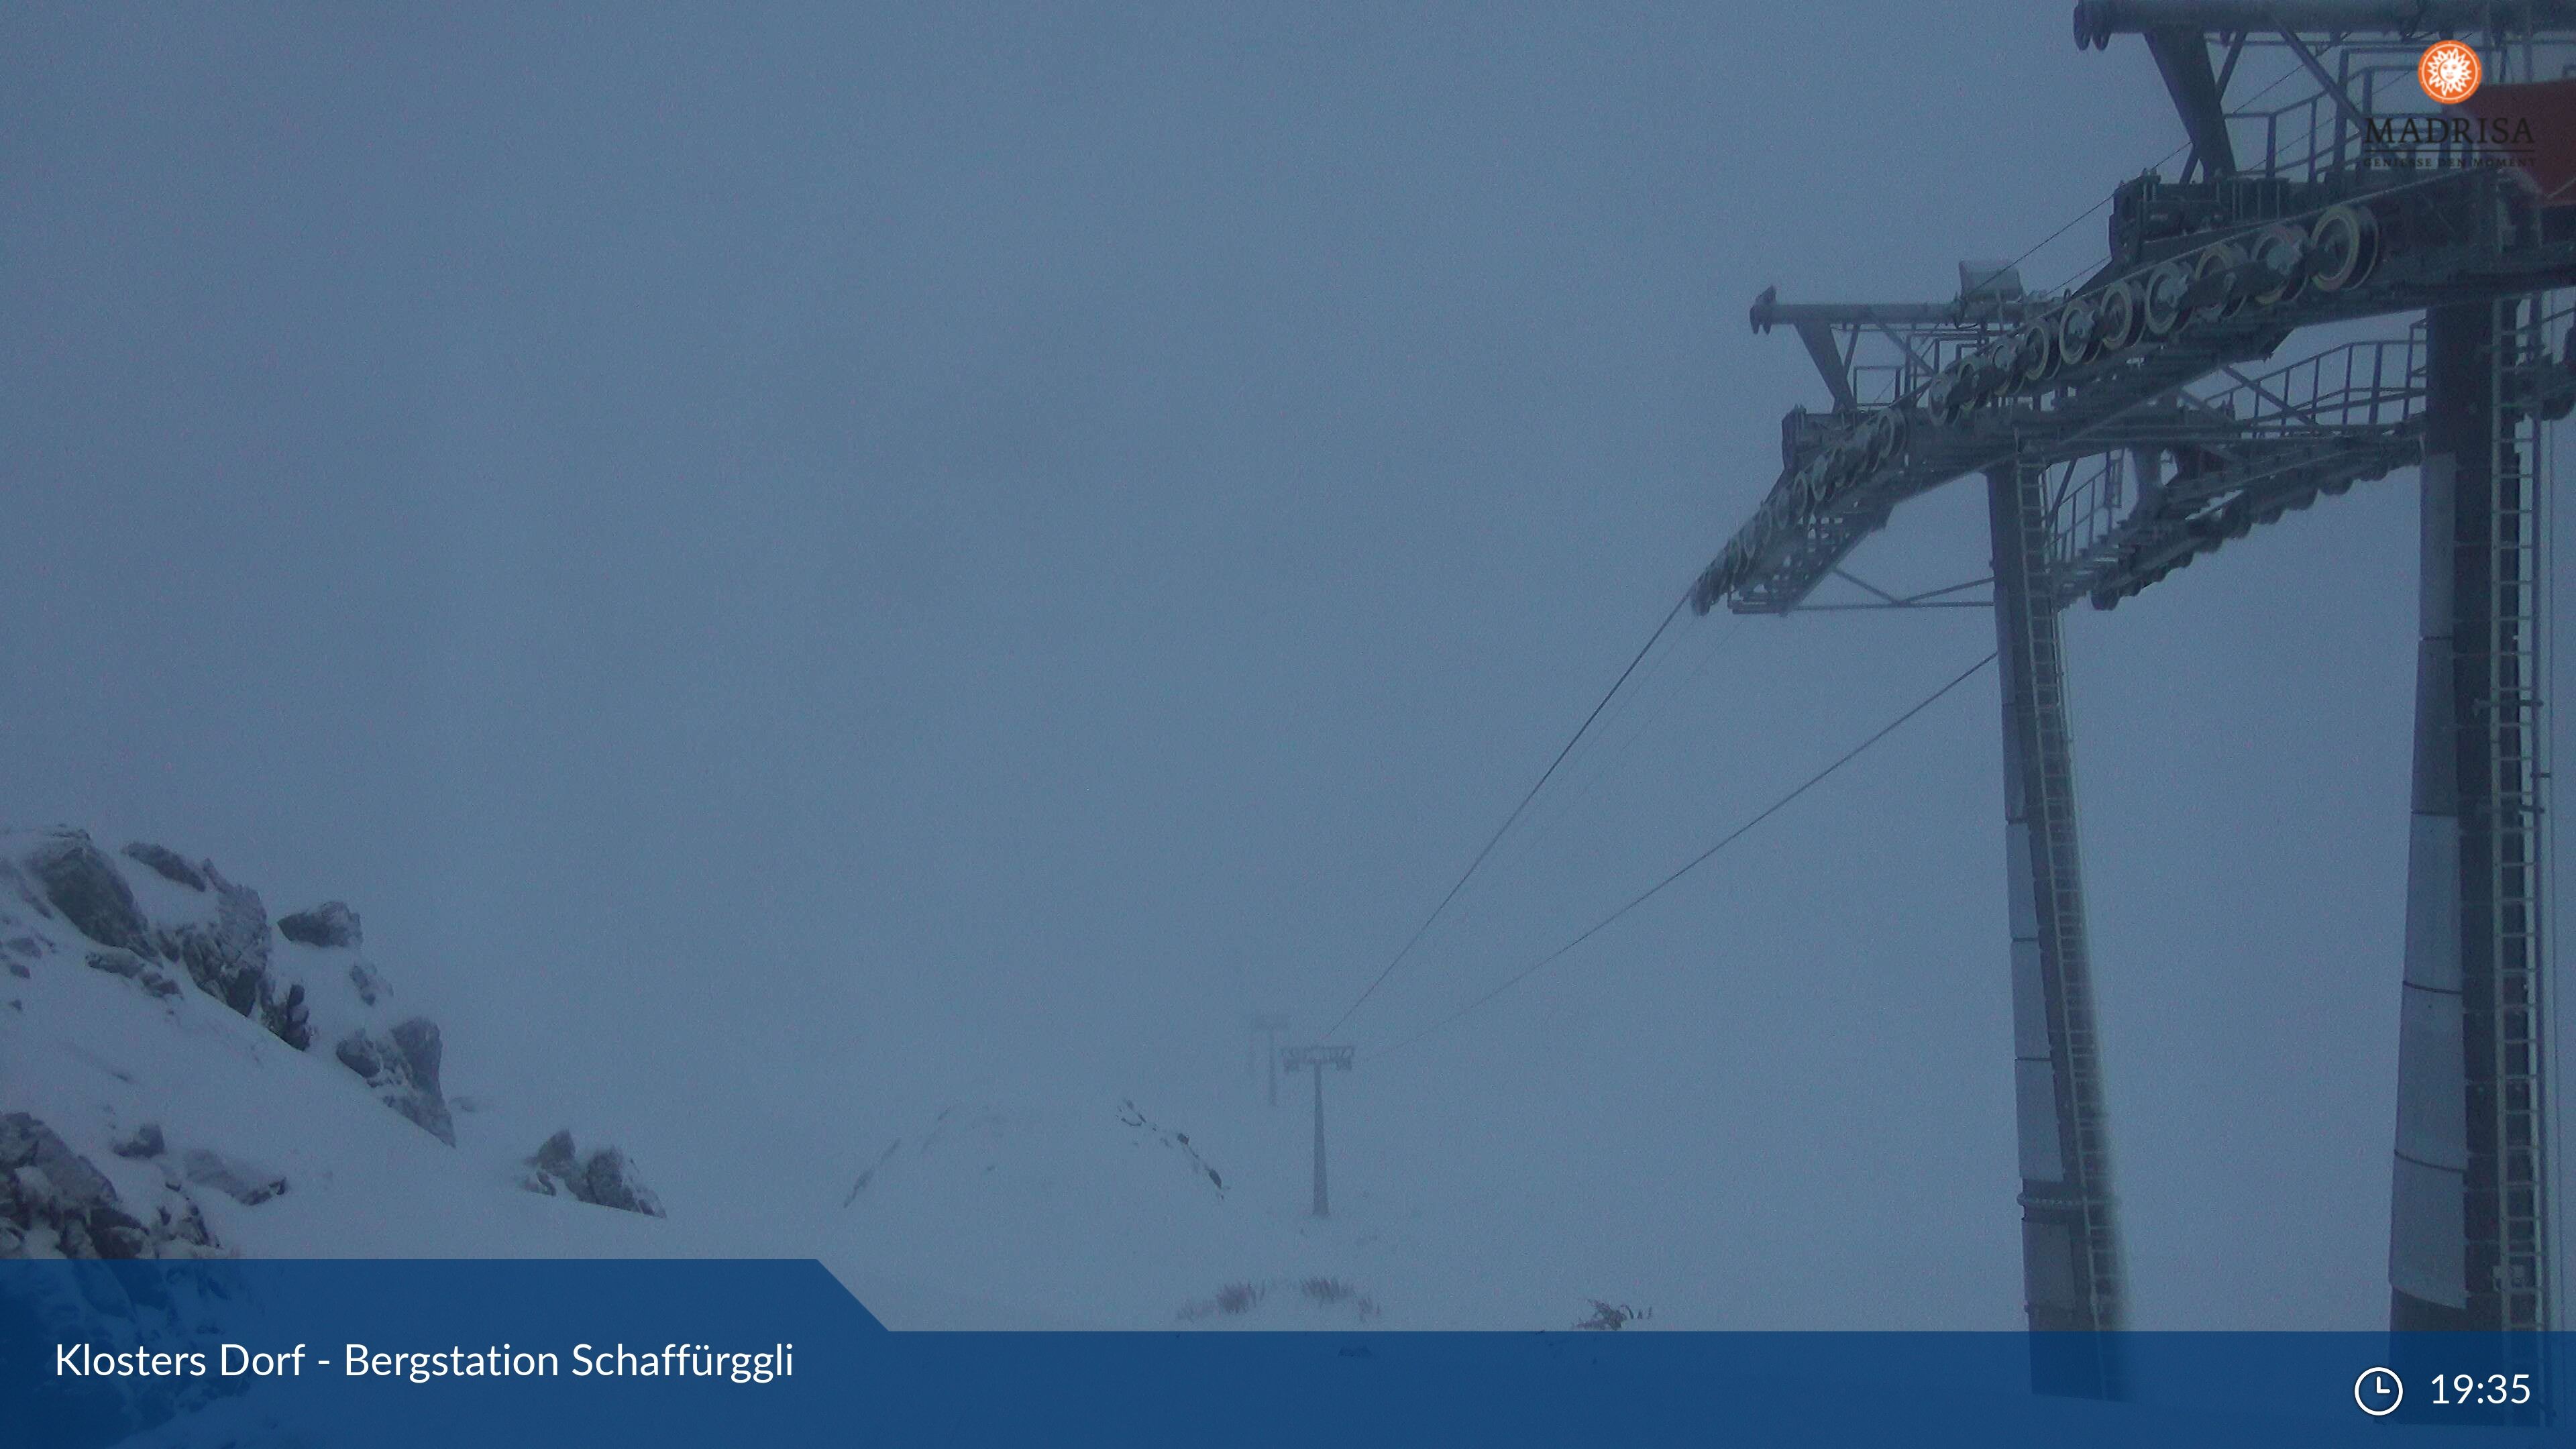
(225, 950)
(169, 864)
(604, 1178)
(288, 1018)
(17, 890)
(243, 1182)
(54, 1204)
(402, 1067)
(144, 975)
(226, 953)
(331, 923)
(1178, 1142)
(79, 880)
(333, 995)
(162, 917)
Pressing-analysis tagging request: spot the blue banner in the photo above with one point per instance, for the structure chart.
(387, 1354)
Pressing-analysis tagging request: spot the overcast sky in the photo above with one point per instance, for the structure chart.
(794, 565)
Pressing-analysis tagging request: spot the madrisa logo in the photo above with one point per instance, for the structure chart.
(2492, 133)
(2449, 72)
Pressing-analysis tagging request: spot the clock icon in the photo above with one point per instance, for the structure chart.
(2378, 1391)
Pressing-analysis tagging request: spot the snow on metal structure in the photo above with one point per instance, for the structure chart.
(2129, 423)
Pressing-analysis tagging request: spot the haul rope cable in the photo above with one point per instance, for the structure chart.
(1738, 833)
(1645, 707)
(1577, 738)
(1517, 812)
(2166, 160)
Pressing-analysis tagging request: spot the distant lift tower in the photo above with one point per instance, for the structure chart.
(1315, 1059)
(2120, 434)
(1267, 1025)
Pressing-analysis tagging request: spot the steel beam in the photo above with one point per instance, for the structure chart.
(2182, 58)
(2096, 21)
(2072, 1274)
(2475, 240)
(1830, 363)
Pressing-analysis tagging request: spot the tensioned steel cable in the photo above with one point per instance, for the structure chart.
(1695, 862)
(2159, 165)
(1523, 806)
(1584, 786)
(1641, 708)
(1517, 811)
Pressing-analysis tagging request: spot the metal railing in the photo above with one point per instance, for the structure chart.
(2349, 406)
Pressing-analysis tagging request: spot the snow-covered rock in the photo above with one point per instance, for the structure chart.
(81, 883)
(1175, 1142)
(54, 1203)
(402, 1064)
(169, 864)
(604, 1178)
(119, 962)
(205, 1128)
(170, 918)
(114, 1314)
(218, 932)
(245, 1183)
(141, 1112)
(331, 923)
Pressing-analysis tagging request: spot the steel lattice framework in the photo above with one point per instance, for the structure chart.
(2136, 420)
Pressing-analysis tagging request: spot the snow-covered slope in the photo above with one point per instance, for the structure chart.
(180, 1075)
(210, 1070)
(125, 1082)
(1090, 1209)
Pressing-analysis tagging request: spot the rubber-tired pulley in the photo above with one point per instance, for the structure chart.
(2161, 311)
(2343, 248)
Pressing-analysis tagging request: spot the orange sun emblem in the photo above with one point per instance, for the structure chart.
(2449, 71)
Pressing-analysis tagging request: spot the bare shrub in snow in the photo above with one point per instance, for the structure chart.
(1235, 1300)
(1611, 1317)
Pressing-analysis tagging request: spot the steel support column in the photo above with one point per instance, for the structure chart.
(2072, 1274)
(1323, 1200)
(1315, 1059)
(2468, 1231)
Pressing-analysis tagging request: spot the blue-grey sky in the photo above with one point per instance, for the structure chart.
(793, 562)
